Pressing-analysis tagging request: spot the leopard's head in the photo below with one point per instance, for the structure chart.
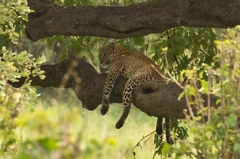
(105, 55)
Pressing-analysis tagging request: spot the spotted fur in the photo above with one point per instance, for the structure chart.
(131, 64)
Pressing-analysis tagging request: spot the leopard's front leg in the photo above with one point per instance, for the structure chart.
(105, 106)
(108, 87)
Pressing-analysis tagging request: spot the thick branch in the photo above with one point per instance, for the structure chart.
(134, 20)
(149, 97)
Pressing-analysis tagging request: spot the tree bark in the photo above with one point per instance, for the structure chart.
(149, 97)
(128, 21)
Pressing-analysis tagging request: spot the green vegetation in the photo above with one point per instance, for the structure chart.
(219, 136)
(56, 129)
(50, 123)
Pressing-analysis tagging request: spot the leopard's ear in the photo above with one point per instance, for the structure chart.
(112, 45)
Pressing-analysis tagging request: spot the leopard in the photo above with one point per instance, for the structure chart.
(137, 68)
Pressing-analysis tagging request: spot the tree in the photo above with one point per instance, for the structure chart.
(50, 18)
(139, 19)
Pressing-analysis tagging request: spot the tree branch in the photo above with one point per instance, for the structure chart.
(129, 21)
(149, 97)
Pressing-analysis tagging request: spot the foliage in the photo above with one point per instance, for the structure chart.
(214, 132)
(13, 14)
(15, 100)
(14, 65)
(207, 58)
(49, 133)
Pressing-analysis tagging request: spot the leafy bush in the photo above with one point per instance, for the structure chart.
(214, 132)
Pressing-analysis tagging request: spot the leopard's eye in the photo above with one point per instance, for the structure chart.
(104, 54)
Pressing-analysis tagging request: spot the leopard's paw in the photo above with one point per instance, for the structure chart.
(119, 124)
(104, 107)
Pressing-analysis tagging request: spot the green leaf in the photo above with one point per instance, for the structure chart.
(48, 144)
(204, 88)
(24, 74)
(41, 76)
(23, 156)
(166, 149)
(41, 72)
(231, 120)
(180, 96)
(236, 147)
